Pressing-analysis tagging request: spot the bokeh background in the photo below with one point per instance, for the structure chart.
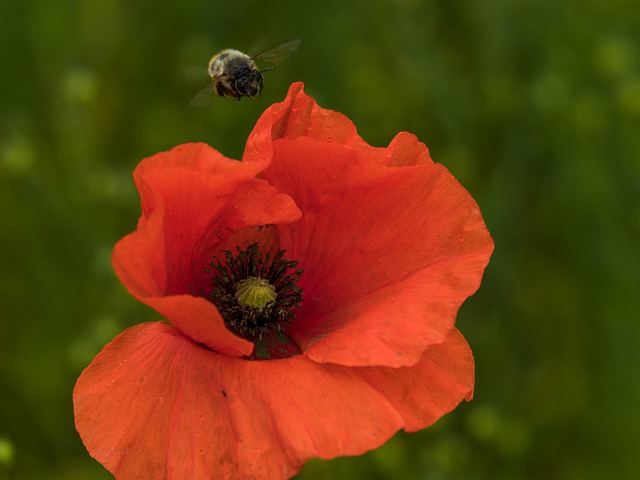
(533, 105)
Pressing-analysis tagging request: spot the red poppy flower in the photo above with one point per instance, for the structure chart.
(311, 291)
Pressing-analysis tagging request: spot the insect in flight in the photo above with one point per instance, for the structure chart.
(235, 73)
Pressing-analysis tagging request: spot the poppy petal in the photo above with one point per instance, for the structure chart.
(193, 199)
(389, 254)
(155, 405)
(434, 386)
(406, 150)
(299, 116)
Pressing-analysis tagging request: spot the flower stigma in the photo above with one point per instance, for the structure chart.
(256, 295)
(255, 292)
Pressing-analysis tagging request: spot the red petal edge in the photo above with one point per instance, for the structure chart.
(155, 405)
(300, 116)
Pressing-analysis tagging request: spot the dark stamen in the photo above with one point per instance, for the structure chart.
(256, 293)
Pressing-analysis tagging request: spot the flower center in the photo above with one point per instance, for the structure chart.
(256, 293)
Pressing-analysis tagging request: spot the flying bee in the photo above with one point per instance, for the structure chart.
(235, 73)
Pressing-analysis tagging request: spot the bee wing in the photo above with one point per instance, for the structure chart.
(278, 53)
(203, 97)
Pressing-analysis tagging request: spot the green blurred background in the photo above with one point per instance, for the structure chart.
(533, 105)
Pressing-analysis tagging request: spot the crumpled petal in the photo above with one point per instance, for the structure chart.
(300, 116)
(389, 253)
(193, 199)
(153, 404)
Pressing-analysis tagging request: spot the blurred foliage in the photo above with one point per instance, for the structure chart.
(534, 106)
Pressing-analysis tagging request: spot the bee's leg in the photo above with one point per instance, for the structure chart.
(220, 90)
(236, 90)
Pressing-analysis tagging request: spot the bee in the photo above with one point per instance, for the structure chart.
(235, 73)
